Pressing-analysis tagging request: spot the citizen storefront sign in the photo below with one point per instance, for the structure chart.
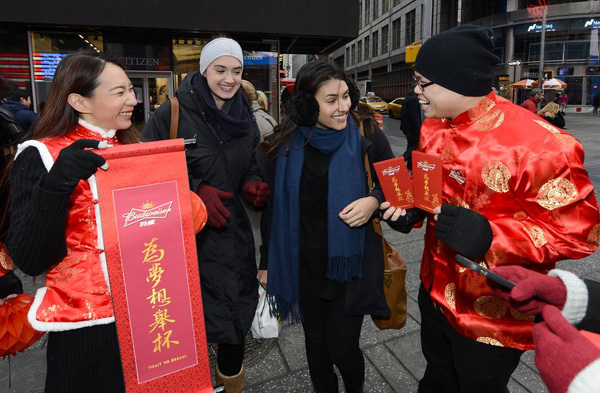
(140, 61)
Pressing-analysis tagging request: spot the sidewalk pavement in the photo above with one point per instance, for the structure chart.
(393, 359)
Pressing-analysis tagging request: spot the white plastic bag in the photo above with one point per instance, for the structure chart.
(264, 325)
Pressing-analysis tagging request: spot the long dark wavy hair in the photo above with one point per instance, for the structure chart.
(76, 73)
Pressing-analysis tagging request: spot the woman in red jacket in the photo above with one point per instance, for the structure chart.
(55, 221)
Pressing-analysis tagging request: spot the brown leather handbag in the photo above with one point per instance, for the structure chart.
(394, 275)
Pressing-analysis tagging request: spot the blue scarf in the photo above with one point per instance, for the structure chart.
(346, 184)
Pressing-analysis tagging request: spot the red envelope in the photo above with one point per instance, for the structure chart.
(593, 337)
(427, 180)
(395, 182)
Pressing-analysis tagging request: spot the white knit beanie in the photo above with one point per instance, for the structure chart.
(217, 48)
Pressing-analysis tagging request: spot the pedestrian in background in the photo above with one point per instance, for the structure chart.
(551, 113)
(19, 103)
(563, 100)
(531, 104)
(596, 103)
(223, 172)
(516, 193)
(323, 257)
(263, 101)
(410, 125)
(266, 123)
(53, 222)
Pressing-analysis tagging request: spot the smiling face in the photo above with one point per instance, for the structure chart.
(438, 102)
(111, 105)
(224, 77)
(334, 104)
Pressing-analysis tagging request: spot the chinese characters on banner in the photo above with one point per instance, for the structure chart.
(153, 263)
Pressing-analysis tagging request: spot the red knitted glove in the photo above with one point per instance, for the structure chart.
(533, 290)
(257, 193)
(561, 352)
(212, 197)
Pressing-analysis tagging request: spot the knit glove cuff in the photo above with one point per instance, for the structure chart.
(577, 296)
(586, 381)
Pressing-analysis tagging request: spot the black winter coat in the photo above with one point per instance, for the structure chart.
(364, 295)
(226, 256)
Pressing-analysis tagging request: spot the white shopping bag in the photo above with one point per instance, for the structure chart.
(264, 325)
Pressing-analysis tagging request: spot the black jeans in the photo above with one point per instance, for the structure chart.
(456, 363)
(332, 338)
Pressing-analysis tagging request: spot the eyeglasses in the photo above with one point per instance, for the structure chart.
(422, 85)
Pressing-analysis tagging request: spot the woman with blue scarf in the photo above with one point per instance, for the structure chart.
(324, 260)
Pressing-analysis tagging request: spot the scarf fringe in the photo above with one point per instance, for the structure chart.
(287, 312)
(345, 269)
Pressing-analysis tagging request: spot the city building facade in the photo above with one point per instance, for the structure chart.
(376, 58)
(159, 43)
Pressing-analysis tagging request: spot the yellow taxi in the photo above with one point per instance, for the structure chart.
(372, 104)
(395, 108)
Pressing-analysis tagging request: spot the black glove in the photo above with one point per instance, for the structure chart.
(405, 223)
(9, 284)
(72, 165)
(465, 231)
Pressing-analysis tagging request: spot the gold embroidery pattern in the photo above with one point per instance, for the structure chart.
(51, 311)
(496, 176)
(481, 109)
(450, 294)
(495, 256)
(6, 261)
(519, 316)
(448, 154)
(537, 235)
(556, 193)
(593, 236)
(490, 341)
(456, 201)
(521, 216)
(460, 269)
(490, 307)
(566, 139)
(547, 126)
(491, 120)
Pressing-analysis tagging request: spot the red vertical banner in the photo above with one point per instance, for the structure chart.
(149, 240)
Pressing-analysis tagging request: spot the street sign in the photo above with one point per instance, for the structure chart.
(514, 62)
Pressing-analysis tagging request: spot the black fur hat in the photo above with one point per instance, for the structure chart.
(303, 109)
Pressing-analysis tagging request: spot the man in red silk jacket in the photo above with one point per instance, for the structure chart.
(515, 192)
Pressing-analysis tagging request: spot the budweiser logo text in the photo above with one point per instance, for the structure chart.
(424, 165)
(391, 171)
(138, 215)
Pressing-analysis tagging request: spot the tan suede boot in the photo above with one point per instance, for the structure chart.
(234, 384)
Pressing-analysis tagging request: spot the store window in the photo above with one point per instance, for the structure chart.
(593, 86)
(575, 89)
(578, 50)
(14, 62)
(186, 57)
(385, 32)
(48, 49)
(553, 51)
